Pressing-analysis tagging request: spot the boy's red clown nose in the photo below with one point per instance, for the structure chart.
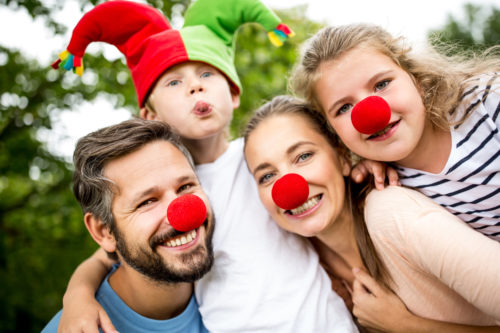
(290, 191)
(371, 115)
(186, 213)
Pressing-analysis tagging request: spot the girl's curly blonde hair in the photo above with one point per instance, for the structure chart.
(440, 79)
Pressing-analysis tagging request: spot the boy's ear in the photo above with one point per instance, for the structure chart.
(100, 232)
(147, 114)
(236, 100)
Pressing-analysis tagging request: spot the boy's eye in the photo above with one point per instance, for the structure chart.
(344, 109)
(173, 83)
(265, 178)
(206, 74)
(381, 85)
(304, 157)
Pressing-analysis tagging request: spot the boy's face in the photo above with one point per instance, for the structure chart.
(194, 98)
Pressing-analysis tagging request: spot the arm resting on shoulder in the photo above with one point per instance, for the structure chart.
(81, 312)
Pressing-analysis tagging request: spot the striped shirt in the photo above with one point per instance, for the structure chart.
(469, 184)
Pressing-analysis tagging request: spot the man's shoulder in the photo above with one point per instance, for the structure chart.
(52, 325)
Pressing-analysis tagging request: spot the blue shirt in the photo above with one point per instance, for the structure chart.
(127, 320)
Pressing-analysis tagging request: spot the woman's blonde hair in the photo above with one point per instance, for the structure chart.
(440, 79)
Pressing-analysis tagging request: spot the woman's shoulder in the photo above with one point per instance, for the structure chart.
(396, 197)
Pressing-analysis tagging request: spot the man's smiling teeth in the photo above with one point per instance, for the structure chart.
(181, 239)
(306, 205)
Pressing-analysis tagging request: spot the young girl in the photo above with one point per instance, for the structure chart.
(442, 129)
(406, 242)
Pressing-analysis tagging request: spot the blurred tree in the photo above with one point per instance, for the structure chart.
(42, 236)
(479, 30)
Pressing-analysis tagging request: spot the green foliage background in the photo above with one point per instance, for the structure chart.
(42, 236)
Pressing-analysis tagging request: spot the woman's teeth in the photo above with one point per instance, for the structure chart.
(305, 206)
(181, 239)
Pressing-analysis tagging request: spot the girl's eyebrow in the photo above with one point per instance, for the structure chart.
(373, 79)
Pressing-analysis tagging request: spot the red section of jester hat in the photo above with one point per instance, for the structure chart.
(290, 191)
(186, 213)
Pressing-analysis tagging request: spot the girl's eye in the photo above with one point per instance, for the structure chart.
(304, 157)
(381, 85)
(344, 109)
(265, 178)
(173, 83)
(206, 74)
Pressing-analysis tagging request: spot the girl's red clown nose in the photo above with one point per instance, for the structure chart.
(371, 115)
(186, 213)
(290, 191)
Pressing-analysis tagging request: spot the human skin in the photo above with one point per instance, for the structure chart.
(409, 138)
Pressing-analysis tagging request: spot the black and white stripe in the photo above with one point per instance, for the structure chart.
(469, 185)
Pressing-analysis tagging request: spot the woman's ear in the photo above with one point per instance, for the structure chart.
(345, 164)
(100, 232)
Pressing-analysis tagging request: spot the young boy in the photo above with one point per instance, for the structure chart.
(263, 278)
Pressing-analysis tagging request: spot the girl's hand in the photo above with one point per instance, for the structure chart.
(84, 316)
(376, 307)
(379, 170)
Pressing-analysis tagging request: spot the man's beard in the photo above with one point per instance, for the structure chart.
(149, 262)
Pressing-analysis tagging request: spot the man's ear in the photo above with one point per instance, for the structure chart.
(147, 114)
(100, 232)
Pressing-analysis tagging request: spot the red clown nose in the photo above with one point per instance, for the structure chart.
(290, 191)
(186, 213)
(371, 115)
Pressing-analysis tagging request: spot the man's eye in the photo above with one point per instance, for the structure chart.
(146, 202)
(265, 178)
(185, 187)
(344, 109)
(381, 85)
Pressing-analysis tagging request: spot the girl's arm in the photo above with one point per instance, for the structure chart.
(81, 312)
(379, 308)
(381, 172)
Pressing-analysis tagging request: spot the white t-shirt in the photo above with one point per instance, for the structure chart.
(264, 279)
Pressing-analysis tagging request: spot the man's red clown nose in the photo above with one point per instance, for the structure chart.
(186, 212)
(290, 191)
(371, 115)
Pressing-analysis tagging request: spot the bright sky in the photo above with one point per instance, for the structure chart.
(409, 18)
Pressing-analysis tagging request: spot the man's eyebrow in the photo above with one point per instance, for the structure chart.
(143, 194)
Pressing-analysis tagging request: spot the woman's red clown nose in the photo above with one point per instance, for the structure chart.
(290, 191)
(186, 213)
(371, 115)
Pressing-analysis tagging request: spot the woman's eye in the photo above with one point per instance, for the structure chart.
(344, 109)
(265, 178)
(381, 85)
(206, 74)
(173, 83)
(304, 157)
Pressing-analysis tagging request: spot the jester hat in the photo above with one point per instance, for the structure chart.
(151, 46)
